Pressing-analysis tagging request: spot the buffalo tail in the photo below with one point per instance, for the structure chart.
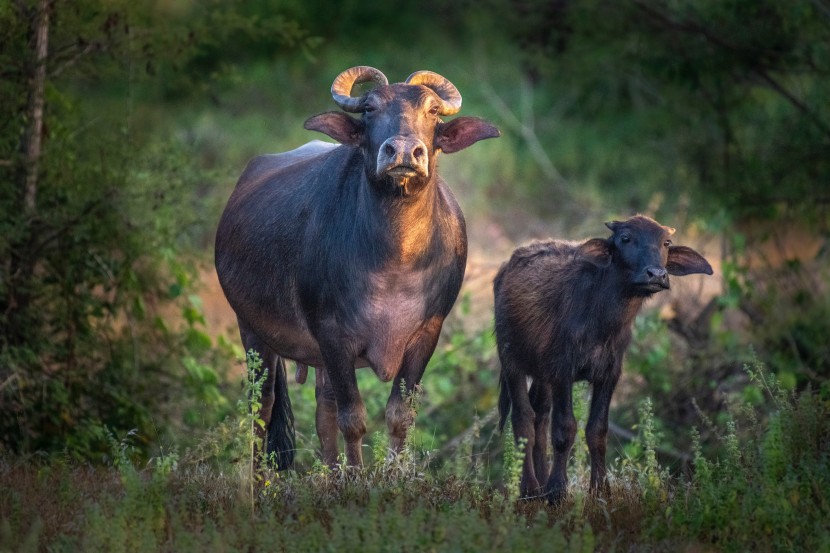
(281, 437)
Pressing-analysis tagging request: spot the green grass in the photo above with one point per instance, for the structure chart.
(766, 492)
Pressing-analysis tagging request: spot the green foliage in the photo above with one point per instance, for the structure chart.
(250, 423)
(460, 394)
(651, 480)
(514, 454)
(722, 96)
(649, 354)
(99, 325)
(764, 494)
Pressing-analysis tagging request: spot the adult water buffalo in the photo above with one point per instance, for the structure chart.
(564, 312)
(350, 255)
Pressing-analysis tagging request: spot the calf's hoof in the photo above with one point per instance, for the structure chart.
(557, 495)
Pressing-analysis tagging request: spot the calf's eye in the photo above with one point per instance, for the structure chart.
(667, 243)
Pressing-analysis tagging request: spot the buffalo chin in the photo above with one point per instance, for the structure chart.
(405, 185)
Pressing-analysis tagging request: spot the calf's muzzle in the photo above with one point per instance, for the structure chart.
(656, 278)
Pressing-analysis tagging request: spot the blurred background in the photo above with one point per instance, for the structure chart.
(124, 126)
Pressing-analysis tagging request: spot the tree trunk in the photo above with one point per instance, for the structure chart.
(33, 148)
(20, 268)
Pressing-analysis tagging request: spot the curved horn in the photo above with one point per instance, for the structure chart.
(341, 88)
(450, 97)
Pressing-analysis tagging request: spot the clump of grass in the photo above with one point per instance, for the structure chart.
(766, 492)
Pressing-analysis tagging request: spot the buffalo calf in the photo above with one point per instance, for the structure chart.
(564, 313)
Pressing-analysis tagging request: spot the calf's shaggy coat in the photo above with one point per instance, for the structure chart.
(564, 313)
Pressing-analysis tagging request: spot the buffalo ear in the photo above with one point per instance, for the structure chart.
(462, 132)
(685, 261)
(344, 129)
(596, 251)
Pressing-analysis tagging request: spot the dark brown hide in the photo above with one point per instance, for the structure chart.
(564, 312)
(351, 255)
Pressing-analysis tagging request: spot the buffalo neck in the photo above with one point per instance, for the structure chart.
(410, 219)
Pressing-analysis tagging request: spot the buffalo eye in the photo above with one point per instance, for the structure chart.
(625, 238)
(369, 109)
(433, 110)
(667, 243)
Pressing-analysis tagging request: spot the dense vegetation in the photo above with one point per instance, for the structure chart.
(124, 126)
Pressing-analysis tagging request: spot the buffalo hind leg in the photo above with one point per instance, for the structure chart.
(541, 401)
(399, 413)
(596, 432)
(563, 432)
(277, 432)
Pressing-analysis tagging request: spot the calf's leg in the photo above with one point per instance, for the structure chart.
(523, 419)
(563, 432)
(596, 432)
(541, 400)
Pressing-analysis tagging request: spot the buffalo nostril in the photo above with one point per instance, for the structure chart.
(418, 152)
(389, 150)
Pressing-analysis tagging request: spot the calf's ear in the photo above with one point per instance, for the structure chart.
(685, 261)
(462, 132)
(338, 125)
(596, 251)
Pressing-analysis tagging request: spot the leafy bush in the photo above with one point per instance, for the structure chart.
(765, 493)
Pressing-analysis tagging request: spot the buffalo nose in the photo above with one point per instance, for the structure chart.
(403, 148)
(403, 153)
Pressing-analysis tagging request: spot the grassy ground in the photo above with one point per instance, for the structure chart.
(767, 492)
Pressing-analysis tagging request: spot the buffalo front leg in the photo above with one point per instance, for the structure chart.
(596, 432)
(326, 417)
(351, 413)
(399, 411)
(563, 432)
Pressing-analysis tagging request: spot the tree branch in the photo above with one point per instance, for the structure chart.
(822, 7)
(753, 66)
(453, 444)
(628, 436)
(73, 60)
(526, 131)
